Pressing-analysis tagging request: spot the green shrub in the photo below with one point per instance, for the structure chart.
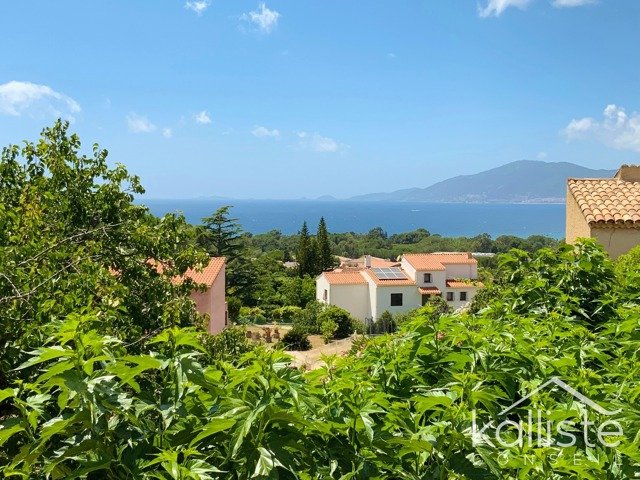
(297, 340)
(384, 324)
(627, 269)
(233, 308)
(252, 315)
(228, 345)
(358, 345)
(403, 317)
(572, 280)
(357, 326)
(340, 317)
(308, 322)
(287, 314)
(328, 329)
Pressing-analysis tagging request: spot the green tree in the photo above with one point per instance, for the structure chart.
(303, 252)
(73, 241)
(313, 268)
(221, 235)
(298, 291)
(325, 258)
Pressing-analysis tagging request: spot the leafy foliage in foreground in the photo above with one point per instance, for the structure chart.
(72, 240)
(111, 387)
(401, 407)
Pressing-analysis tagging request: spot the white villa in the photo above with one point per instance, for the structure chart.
(369, 288)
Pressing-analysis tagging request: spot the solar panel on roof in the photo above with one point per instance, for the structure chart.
(389, 273)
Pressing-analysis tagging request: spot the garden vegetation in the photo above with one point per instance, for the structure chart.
(106, 373)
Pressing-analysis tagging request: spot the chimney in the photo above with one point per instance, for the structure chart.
(367, 261)
(628, 173)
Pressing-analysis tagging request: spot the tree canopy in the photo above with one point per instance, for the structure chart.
(73, 241)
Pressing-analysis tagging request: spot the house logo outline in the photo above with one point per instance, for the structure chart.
(569, 389)
(556, 381)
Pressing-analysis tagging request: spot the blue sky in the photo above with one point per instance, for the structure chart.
(286, 99)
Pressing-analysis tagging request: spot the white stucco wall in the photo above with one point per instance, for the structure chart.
(462, 271)
(438, 279)
(411, 299)
(353, 298)
(321, 285)
(456, 303)
(408, 269)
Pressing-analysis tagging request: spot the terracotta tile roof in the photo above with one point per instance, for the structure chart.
(388, 283)
(344, 278)
(382, 263)
(463, 284)
(358, 263)
(607, 201)
(437, 261)
(206, 275)
(429, 291)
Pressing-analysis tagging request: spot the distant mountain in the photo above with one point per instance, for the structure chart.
(326, 198)
(523, 181)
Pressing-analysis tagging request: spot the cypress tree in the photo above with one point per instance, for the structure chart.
(325, 259)
(314, 264)
(302, 254)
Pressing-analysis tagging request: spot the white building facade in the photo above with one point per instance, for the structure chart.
(369, 291)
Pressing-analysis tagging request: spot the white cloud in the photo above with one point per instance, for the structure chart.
(319, 143)
(17, 98)
(617, 129)
(139, 123)
(576, 128)
(571, 3)
(198, 6)
(167, 132)
(496, 7)
(542, 155)
(391, 55)
(263, 18)
(263, 132)
(203, 117)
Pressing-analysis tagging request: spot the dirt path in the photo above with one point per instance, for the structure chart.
(311, 359)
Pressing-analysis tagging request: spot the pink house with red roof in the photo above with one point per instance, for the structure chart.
(211, 301)
(375, 287)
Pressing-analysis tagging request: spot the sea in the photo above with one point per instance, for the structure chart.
(446, 219)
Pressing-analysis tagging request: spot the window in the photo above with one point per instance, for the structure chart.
(449, 296)
(396, 299)
(325, 295)
(463, 296)
(427, 278)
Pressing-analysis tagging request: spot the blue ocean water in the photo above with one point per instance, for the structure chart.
(447, 219)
